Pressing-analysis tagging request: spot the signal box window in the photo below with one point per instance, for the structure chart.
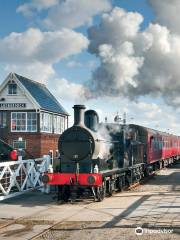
(12, 88)
(46, 122)
(23, 122)
(3, 119)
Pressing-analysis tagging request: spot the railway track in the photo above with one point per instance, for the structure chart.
(28, 223)
(31, 221)
(53, 228)
(40, 226)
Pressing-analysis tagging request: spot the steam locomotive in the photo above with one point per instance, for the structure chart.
(99, 158)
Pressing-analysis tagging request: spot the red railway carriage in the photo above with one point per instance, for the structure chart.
(159, 146)
(175, 145)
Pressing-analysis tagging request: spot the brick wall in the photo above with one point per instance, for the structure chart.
(49, 142)
(37, 144)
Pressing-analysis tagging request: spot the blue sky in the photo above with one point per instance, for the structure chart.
(140, 6)
(51, 44)
(11, 21)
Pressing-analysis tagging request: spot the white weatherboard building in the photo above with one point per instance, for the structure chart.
(30, 116)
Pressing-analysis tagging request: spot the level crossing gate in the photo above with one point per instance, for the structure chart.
(17, 177)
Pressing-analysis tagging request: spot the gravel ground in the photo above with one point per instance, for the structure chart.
(166, 180)
(89, 231)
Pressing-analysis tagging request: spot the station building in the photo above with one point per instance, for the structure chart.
(30, 116)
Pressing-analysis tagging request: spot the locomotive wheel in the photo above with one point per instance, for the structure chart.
(63, 193)
(101, 192)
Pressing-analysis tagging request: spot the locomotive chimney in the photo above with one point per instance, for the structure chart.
(79, 114)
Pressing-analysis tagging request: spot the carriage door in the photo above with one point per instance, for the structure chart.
(151, 143)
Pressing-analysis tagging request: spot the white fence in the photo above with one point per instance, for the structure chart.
(21, 176)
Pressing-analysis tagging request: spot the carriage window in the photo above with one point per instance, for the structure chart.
(155, 143)
(160, 144)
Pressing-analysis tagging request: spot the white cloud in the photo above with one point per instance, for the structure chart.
(115, 28)
(112, 41)
(134, 63)
(37, 71)
(27, 9)
(35, 45)
(153, 115)
(37, 51)
(157, 116)
(64, 89)
(75, 13)
(167, 13)
(68, 14)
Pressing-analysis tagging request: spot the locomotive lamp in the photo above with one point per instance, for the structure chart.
(45, 179)
(91, 179)
(96, 169)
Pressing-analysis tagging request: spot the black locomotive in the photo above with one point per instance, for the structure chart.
(99, 158)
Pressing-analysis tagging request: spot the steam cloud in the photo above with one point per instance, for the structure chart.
(136, 62)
